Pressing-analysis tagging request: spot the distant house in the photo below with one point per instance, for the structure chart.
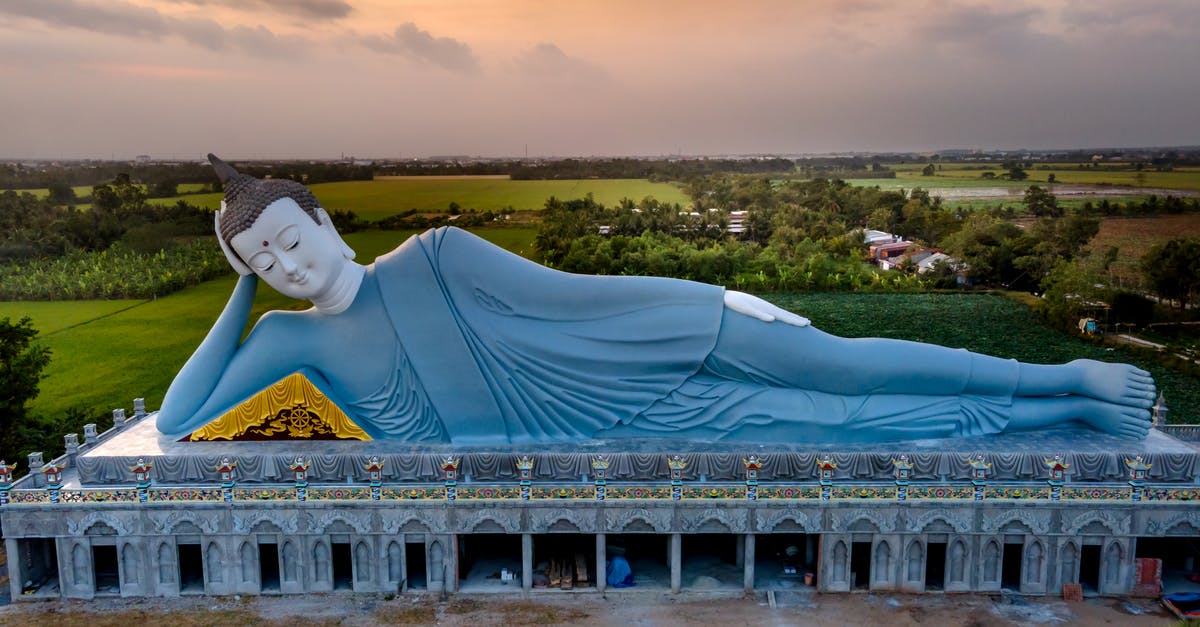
(872, 237)
(929, 261)
(737, 222)
(891, 251)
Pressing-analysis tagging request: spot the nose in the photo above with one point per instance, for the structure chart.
(288, 266)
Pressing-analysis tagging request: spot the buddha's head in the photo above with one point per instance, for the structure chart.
(278, 230)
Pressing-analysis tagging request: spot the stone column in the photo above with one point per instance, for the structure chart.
(527, 561)
(90, 438)
(15, 574)
(35, 469)
(71, 442)
(748, 577)
(601, 562)
(676, 552)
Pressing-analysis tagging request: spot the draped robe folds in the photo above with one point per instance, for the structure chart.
(503, 350)
(510, 351)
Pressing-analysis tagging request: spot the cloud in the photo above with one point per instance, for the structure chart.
(548, 61)
(318, 9)
(412, 42)
(131, 21)
(983, 31)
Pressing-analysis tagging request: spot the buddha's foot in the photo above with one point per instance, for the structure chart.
(1122, 420)
(1121, 384)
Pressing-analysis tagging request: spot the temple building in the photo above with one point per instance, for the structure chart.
(130, 513)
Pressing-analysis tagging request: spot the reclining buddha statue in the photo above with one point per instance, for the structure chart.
(450, 339)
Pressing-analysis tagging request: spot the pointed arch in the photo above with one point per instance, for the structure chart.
(395, 562)
(991, 561)
(436, 567)
(320, 555)
(212, 560)
(1070, 563)
(166, 563)
(916, 560)
(79, 566)
(840, 555)
(883, 561)
(1114, 554)
(362, 562)
(130, 563)
(957, 572)
(248, 562)
(1035, 557)
(291, 562)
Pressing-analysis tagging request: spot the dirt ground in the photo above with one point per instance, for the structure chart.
(589, 608)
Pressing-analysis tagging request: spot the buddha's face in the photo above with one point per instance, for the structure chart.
(290, 251)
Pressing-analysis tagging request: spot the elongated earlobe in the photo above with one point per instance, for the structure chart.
(327, 224)
(239, 266)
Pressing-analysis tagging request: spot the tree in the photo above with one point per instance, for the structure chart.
(985, 245)
(61, 193)
(1051, 179)
(163, 189)
(928, 170)
(1172, 270)
(21, 364)
(1017, 173)
(1041, 203)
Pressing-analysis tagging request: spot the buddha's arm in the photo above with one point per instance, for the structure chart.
(221, 373)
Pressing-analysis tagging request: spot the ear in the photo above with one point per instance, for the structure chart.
(327, 224)
(239, 266)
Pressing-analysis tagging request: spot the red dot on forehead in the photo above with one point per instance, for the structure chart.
(266, 243)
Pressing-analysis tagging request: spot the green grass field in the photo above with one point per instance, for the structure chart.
(380, 198)
(105, 353)
(969, 175)
(86, 190)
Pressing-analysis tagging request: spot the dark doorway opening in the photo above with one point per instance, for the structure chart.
(486, 559)
(1010, 573)
(567, 560)
(414, 565)
(860, 565)
(647, 554)
(782, 559)
(1089, 568)
(710, 561)
(104, 566)
(191, 569)
(935, 566)
(1180, 557)
(268, 566)
(38, 558)
(343, 566)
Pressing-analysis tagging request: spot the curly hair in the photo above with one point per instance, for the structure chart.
(246, 197)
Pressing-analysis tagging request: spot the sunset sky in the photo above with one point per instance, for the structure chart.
(377, 78)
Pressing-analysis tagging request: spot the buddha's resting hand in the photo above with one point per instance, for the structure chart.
(238, 265)
(758, 308)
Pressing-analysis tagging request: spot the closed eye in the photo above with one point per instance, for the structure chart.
(293, 244)
(263, 262)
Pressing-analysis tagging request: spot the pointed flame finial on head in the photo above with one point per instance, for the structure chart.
(225, 172)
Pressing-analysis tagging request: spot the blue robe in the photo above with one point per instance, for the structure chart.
(509, 350)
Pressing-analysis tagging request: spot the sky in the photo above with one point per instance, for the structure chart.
(417, 78)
